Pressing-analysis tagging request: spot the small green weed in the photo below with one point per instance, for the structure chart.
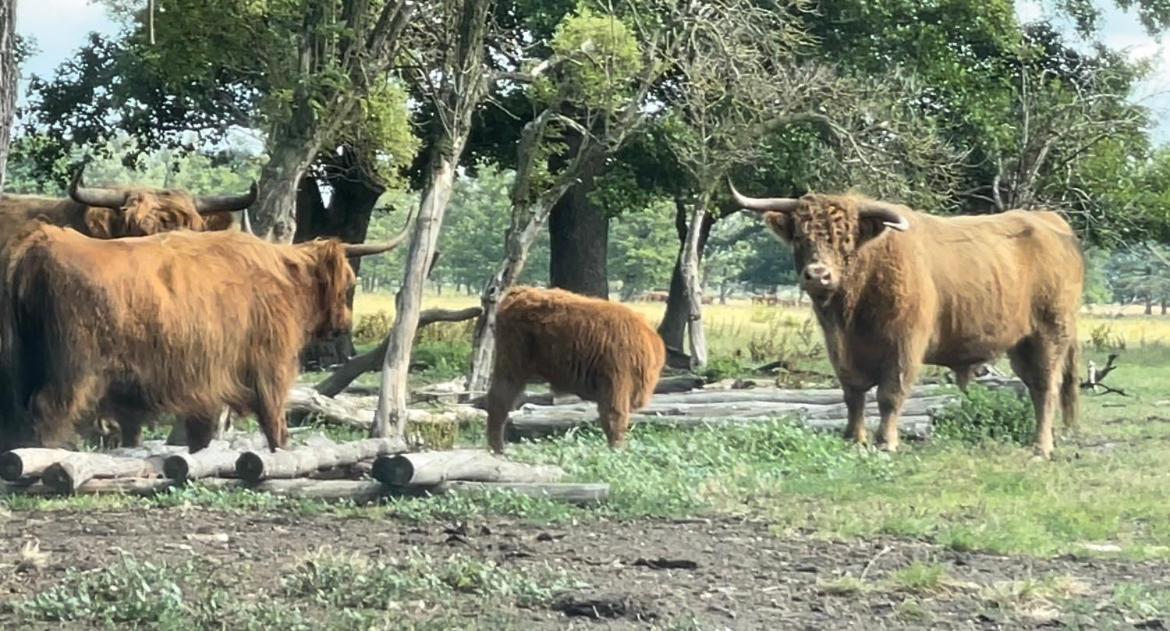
(987, 415)
(130, 591)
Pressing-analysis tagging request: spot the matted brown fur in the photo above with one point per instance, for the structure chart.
(598, 350)
(182, 323)
(948, 291)
(145, 212)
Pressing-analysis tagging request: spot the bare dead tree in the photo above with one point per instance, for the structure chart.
(457, 43)
(9, 78)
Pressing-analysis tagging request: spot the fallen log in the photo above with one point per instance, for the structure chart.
(476, 465)
(67, 475)
(533, 427)
(208, 463)
(568, 493)
(666, 385)
(127, 486)
(371, 361)
(254, 466)
(913, 407)
(30, 462)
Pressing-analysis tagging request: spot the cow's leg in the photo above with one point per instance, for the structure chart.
(614, 413)
(131, 425)
(963, 376)
(199, 431)
(855, 404)
(891, 394)
(1036, 361)
(502, 397)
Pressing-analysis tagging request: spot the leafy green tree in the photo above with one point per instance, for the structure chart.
(641, 248)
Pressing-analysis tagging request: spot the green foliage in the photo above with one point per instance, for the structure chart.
(642, 249)
(987, 415)
(336, 581)
(601, 59)
(129, 591)
(1102, 338)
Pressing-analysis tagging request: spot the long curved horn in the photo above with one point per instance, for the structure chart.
(888, 213)
(763, 204)
(206, 205)
(102, 197)
(367, 249)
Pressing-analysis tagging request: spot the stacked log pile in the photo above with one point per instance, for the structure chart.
(320, 469)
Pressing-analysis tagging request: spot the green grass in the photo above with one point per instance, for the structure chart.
(974, 488)
(332, 590)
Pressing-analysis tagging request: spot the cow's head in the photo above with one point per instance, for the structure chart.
(335, 278)
(825, 232)
(135, 212)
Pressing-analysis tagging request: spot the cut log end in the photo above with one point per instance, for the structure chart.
(11, 466)
(393, 471)
(250, 466)
(177, 468)
(63, 478)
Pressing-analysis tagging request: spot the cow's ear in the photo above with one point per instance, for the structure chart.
(100, 222)
(869, 228)
(780, 224)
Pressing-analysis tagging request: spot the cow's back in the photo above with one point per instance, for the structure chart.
(995, 278)
(579, 344)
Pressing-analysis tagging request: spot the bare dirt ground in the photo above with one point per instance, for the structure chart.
(718, 573)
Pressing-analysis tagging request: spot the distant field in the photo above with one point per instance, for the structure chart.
(739, 322)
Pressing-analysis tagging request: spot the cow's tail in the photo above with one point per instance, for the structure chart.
(1070, 387)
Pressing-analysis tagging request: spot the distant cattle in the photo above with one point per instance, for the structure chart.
(893, 288)
(181, 323)
(109, 213)
(653, 296)
(598, 350)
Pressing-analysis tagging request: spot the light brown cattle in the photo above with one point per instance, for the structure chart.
(598, 350)
(893, 288)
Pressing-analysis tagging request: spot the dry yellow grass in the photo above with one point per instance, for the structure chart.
(739, 322)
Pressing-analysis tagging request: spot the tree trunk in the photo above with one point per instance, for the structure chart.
(8, 80)
(274, 214)
(674, 322)
(1163, 306)
(517, 243)
(690, 277)
(465, 87)
(579, 236)
(348, 218)
(1149, 304)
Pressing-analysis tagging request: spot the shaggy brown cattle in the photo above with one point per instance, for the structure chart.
(183, 322)
(123, 212)
(893, 289)
(598, 350)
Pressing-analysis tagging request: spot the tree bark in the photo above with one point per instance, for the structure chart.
(691, 284)
(578, 233)
(464, 88)
(390, 416)
(674, 322)
(255, 466)
(9, 78)
(273, 216)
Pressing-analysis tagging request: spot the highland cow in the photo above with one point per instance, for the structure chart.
(598, 350)
(893, 289)
(122, 212)
(185, 323)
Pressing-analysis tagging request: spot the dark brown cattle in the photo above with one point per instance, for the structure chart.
(598, 350)
(183, 323)
(893, 289)
(123, 212)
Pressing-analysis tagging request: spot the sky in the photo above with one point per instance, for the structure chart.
(61, 26)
